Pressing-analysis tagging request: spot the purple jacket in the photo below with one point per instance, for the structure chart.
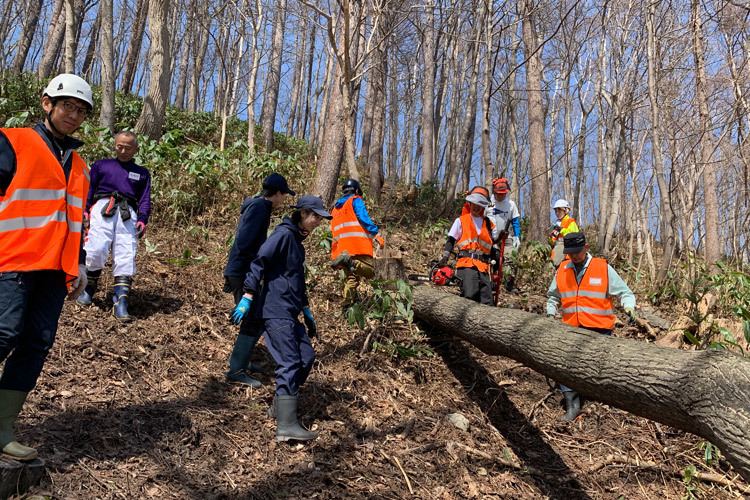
(129, 179)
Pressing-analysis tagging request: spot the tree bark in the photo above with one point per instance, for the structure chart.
(665, 195)
(201, 37)
(540, 195)
(182, 67)
(706, 393)
(107, 113)
(31, 19)
(710, 196)
(133, 55)
(428, 95)
(52, 44)
(273, 80)
(88, 61)
(157, 96)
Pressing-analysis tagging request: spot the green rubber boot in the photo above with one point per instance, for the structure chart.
(11, 403)
(239, 361)
(287, 425)
(572, 405)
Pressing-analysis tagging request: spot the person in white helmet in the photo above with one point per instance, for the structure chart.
(43, 187)
(473, 234)
(564, 224)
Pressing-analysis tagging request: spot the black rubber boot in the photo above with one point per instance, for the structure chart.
(287, 425)
(572, 405)
(11, 403)
(343, 260)
(88, 293)
(122, 289)
(239, 360)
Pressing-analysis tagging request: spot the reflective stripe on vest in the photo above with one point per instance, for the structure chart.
(41, 215)
(473, 242)
(587, 304)
(348, 234)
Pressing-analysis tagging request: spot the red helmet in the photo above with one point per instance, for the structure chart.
(500, 186)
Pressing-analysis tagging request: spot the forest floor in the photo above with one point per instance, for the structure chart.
(142, 410)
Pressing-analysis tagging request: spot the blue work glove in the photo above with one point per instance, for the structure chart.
(241, 310)
(312, 330)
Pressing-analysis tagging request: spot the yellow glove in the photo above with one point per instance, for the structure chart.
(631, 314)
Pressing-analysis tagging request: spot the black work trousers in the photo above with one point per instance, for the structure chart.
(475, 285)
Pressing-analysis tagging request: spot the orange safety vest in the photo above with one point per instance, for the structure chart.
(41, 216)
(474, 248)
(564, 225)
(348, 233)
(587, 304)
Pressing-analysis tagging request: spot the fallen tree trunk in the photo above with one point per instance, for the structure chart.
(706, 393)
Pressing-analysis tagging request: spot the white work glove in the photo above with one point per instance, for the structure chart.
(79, 284)
(516, 242)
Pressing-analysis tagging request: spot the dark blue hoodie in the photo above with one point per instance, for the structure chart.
(252, 229)
(279, 273)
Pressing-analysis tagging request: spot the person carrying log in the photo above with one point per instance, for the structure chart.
(584, 287)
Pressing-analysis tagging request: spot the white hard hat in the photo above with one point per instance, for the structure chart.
(561, 204)
(69, 85)
(478, 199)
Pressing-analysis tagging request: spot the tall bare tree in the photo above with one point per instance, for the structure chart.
(429, 164)
(713, 245)
(133, 54)
(154, 105)
(53, 42)
(273, 77)
(30, 20)
(540, 195)
(107, 112)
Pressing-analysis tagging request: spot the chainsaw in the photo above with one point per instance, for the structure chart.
(441, 276)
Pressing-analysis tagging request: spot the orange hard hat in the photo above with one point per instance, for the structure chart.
(500, 185)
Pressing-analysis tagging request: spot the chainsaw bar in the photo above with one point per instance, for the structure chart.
(423, 278)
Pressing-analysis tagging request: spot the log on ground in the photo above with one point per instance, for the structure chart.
(706, 393)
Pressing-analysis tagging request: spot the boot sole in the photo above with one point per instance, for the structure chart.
(25, 458)
(290, 438)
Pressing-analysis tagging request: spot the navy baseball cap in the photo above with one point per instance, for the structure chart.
(278, 182)
(573, 243)
(313, 203)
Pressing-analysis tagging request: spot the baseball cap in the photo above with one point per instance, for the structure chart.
(573, 243)
(277, 181)
(313, 203)
(500, 186)
(478, 199)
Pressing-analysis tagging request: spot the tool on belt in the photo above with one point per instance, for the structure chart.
(496, 263)
(438, 275)
(116, 202)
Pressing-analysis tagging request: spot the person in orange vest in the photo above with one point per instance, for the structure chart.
(353, 233)
(473, 234)
(476, 189)
(564, 224)
(43, 188)
(584, 287)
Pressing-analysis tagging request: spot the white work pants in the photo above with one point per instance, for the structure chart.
(111, 233)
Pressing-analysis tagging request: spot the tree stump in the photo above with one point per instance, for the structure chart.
(706, 393)
(389, 265)
(17, 477)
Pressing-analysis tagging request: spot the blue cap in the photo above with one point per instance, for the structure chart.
(278, 182)
(313, 203)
